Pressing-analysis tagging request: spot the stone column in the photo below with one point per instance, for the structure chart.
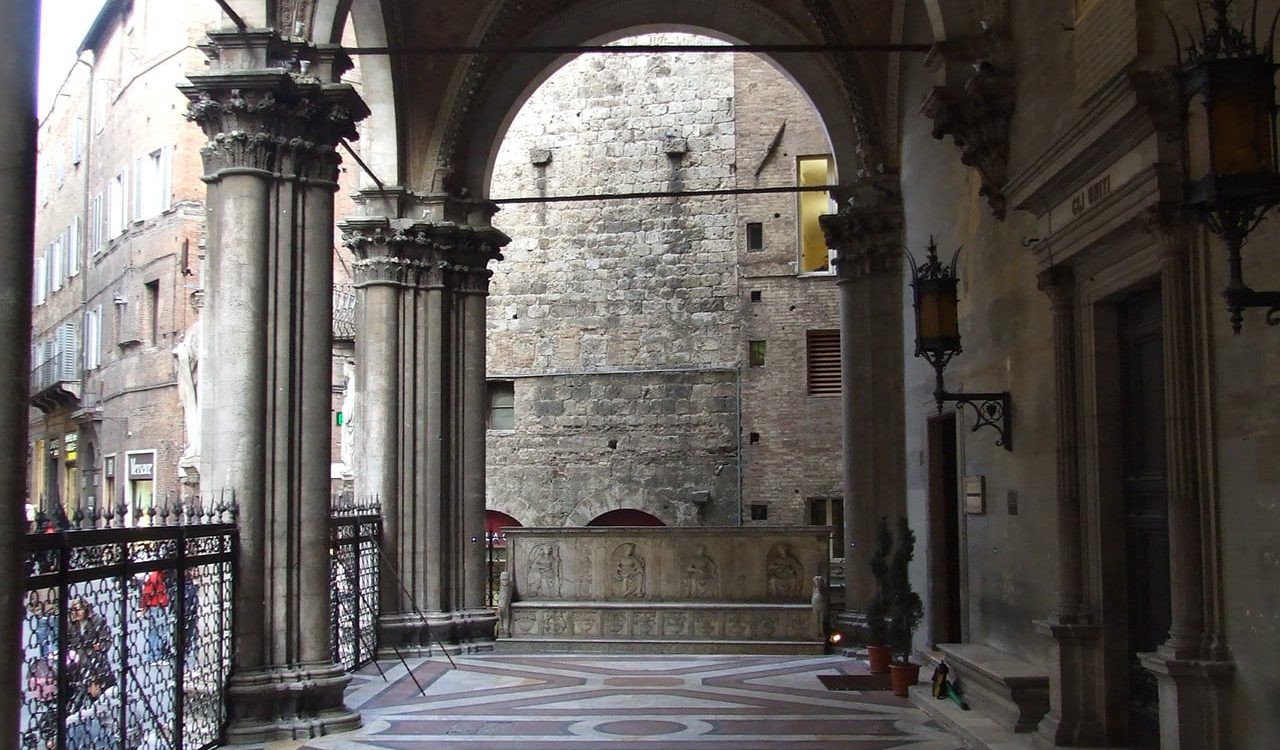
(17, 238)
(424, 282)
(271, 168)
(867, 236)
(1074, 715)
(1190, 667)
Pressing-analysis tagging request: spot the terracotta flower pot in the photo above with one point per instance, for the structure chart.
(903, 677)
(878, 658)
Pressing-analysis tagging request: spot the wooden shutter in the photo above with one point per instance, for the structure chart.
(822, 350)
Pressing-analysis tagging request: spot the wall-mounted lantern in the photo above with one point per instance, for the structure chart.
(1227, 88)
(933, 288)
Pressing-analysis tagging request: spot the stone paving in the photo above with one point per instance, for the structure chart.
(514, 702)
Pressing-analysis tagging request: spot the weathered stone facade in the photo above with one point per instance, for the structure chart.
(624, 324)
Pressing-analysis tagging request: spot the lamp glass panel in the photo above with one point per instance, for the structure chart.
(1240, 126)
(1198, 162)
(937, 312)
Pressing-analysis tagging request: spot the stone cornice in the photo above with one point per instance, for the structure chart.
(867, 231)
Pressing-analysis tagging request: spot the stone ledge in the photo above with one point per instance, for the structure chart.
(719, 606)
(1014, 692)
(684, 646)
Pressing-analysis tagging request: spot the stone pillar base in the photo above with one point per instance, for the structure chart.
(288, 703)
(1193, 701)
(464, 632)
(1074, 716)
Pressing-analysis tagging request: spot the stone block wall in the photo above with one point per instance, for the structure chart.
(623, 324)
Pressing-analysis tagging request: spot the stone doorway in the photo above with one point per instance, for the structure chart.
(946, 616)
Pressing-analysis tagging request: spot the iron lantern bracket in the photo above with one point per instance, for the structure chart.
(992, 410)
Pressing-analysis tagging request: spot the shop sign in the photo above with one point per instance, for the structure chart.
(69, 442)
(142, 466)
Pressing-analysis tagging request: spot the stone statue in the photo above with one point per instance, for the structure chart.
(347, 435)
(504, 604)
(544, 571)
(187, 352)
(783, 572)
(819, 603)
(700, 574)
(628, 572)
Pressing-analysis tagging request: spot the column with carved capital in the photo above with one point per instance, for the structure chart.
(867, 237)
(271, 168)
(1075, 665)
(1192, 667)
(423, 283)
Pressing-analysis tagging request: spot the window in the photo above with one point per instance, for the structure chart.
(755, 236)
(57, 272)
(93, 338)
(153, 311)
(756, 295)
(502, 405)
(40, 279)
(73, 247)
(829, 511)
(97, 224)
(755, 353)
(115, 208)
(822, 361)
(98, 112)
(109, 499)
(77, 141)
(759, 512)
(151, 184)
(812, 171)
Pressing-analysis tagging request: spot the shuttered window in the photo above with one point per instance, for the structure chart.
(822, 359)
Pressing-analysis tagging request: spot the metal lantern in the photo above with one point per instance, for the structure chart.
(1227, 83)
(934, 292)
(933, 286)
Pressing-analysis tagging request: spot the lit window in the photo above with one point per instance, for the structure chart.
(812, 171)
(822, 362)
(502, 405)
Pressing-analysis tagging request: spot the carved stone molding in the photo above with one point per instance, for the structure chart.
(866, 233)
(973, 104)
(261, 111)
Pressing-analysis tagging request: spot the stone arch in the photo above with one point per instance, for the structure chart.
(484, 100)
(626, 517)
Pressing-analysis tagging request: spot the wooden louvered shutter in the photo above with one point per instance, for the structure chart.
(822, 355)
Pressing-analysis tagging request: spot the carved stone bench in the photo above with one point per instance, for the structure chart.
(1012, 691)
(665, 590)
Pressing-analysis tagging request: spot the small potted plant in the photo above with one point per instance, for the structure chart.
(905, 611)
(878, 651)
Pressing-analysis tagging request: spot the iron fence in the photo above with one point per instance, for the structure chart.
(127, 632)
(355, 538)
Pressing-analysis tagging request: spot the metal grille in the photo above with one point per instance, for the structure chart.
(344, 312)
(127, 633)
(355, 534)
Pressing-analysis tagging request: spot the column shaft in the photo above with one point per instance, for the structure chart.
(17, 238)
(475, 406)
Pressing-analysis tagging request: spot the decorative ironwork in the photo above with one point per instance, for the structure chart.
(355, 533)
(344, 312)
(127, 633)
(1231, 179)
(933, 285)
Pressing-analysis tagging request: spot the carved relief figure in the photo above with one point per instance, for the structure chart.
(615, 623)
(187, 352)
(628, 572)
(735, 625)
(544, 571)
(644, 623)
(783, 571)
(700, 574)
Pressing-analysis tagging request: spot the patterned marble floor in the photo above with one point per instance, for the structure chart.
(509, 702)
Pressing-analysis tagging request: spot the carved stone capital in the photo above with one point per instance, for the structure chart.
(866, 233)
(274, 117)
(973, 103)
(1059, 284)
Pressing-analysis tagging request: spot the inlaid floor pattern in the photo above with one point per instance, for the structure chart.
(506, 702)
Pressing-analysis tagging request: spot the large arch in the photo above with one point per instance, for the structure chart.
(484, 97)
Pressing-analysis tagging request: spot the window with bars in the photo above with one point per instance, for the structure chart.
(822, 362)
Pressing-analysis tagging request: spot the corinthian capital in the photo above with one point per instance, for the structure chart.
(261, 110)
(866, 233)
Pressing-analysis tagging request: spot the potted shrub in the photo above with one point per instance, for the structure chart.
(878, 651)
(905, 611)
